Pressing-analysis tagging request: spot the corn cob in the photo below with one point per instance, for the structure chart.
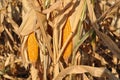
(32, 48)
(66, 31)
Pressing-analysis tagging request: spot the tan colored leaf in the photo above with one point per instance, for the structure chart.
(34, 73)
(1, 21)
(1, 29)
(42, 25)
(75, 17)
(28, 24)
(85, 77)
(105, 38)
(94, 71)
(53, 7)
(14, 25)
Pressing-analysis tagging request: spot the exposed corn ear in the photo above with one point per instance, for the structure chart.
(66, 32)
(32, 48)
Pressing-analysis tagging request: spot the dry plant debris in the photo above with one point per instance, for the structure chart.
(59, 39)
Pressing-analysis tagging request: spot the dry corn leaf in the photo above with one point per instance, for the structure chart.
(105, 38)
(42, 25)
(14, 25)
(8, 77)
(26, 6)
(63, 17)
(76, 16)
(66, 32)
(76, 20)
(94, 71)
(85, 77)
(24, 53)
(32, 48)
(1, 21)
(54, 6)
(28, 24)
(34, 73)
(9, 34)
(1, 29)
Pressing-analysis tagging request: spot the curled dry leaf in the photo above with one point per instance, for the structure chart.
(28, 24)
(30, 21)
(97, 72)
